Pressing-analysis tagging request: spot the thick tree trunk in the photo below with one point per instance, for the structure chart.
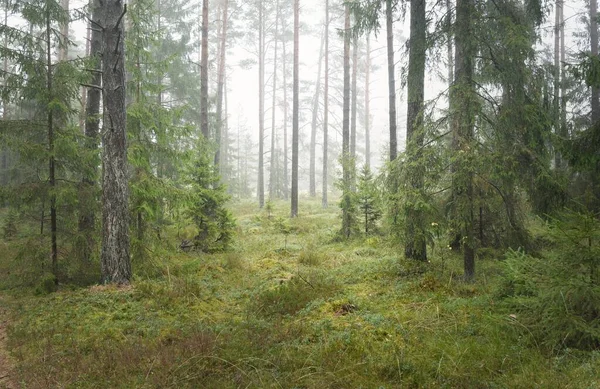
(462, 111)
(116, 263)
(416, 245)
(272, 165)
(391, 79)
(313, 130)
(295, 111)
(87, 193)
(63, 51)
(261, 106)
(594, 51)
(326, 111)
(368, 105)
(220, 85)
(204, 73)
(51, 160)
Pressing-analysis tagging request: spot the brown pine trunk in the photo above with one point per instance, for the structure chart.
(313, 132)
(220, 84)
(391, 79)
(261, 106)
(204, 73)
(295, 111)
(416, 245)
(116, 263)
(326, 110)
(272, 165)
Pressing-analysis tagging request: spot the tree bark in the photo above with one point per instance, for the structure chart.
(286, 185)
(557, 76)
(295, 111)
(346, 171)
(63, 51)
(261, 106)
(51, 159)
(314, 123)
(391, 79)
(204, 73)
(416, 245)
(326, 111)
(272, 165)
(462, 111)
(220, 85)
(449, 46)
(116, 263)
(354, 101)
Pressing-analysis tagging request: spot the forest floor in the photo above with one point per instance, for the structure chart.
(6, 366)
(290, 306)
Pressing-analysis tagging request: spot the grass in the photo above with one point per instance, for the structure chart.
(288, 307)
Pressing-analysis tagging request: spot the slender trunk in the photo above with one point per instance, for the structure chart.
(416, 245)
(204, 73)
(5, 150)
(346, 173)
(556, 100)
(326, 109)
(449, 46)
(462, 112)
(51, 161)
(564, 132)
(286, 184)
(314, 122)
(295, 111)
(368, 106)
(87, 194)
(594, 51)
(391, 79)
(63, 51)
(261, 106)
(116, 263)
(220, 86)
(354, 102)
(272, 167)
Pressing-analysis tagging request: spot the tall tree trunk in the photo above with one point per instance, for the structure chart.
(391, 79)
(272, 167)
(313, 131)
(261, 105)
(204, 73)
(354, 101)
(116, 263)
(286, 184)
(462, 111)
(564, 132)
(346, 171)
(594, 51)
(63, 51)
(87, 193)
(4, 178)
(368, 105)
(557, 76)
(51, 159)
(449, 45)
(416, 245)
(326, 110)
(220, 84)
(295, 110)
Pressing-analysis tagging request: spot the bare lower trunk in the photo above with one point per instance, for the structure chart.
(354, 101)
(313, 131)
(204, 73)
(52, 160)
(368, 106)
(594, 51)
(326, 109)
(391, 80)
(286, 184)
(63, 52)
(272, 167)
(261, 107)
(116, 263)
(295, 111)
(220, 85)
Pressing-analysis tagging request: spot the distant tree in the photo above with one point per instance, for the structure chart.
(368, 103)
(326, 111)
(273, 166)
(221, 144)
(295, 112)
(313, 127)
(261, 105)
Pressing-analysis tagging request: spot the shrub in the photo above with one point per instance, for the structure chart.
(557, 295)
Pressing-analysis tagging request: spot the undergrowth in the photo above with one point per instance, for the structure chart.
(288, 307)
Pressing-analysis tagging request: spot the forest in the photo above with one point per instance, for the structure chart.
(299, 194)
